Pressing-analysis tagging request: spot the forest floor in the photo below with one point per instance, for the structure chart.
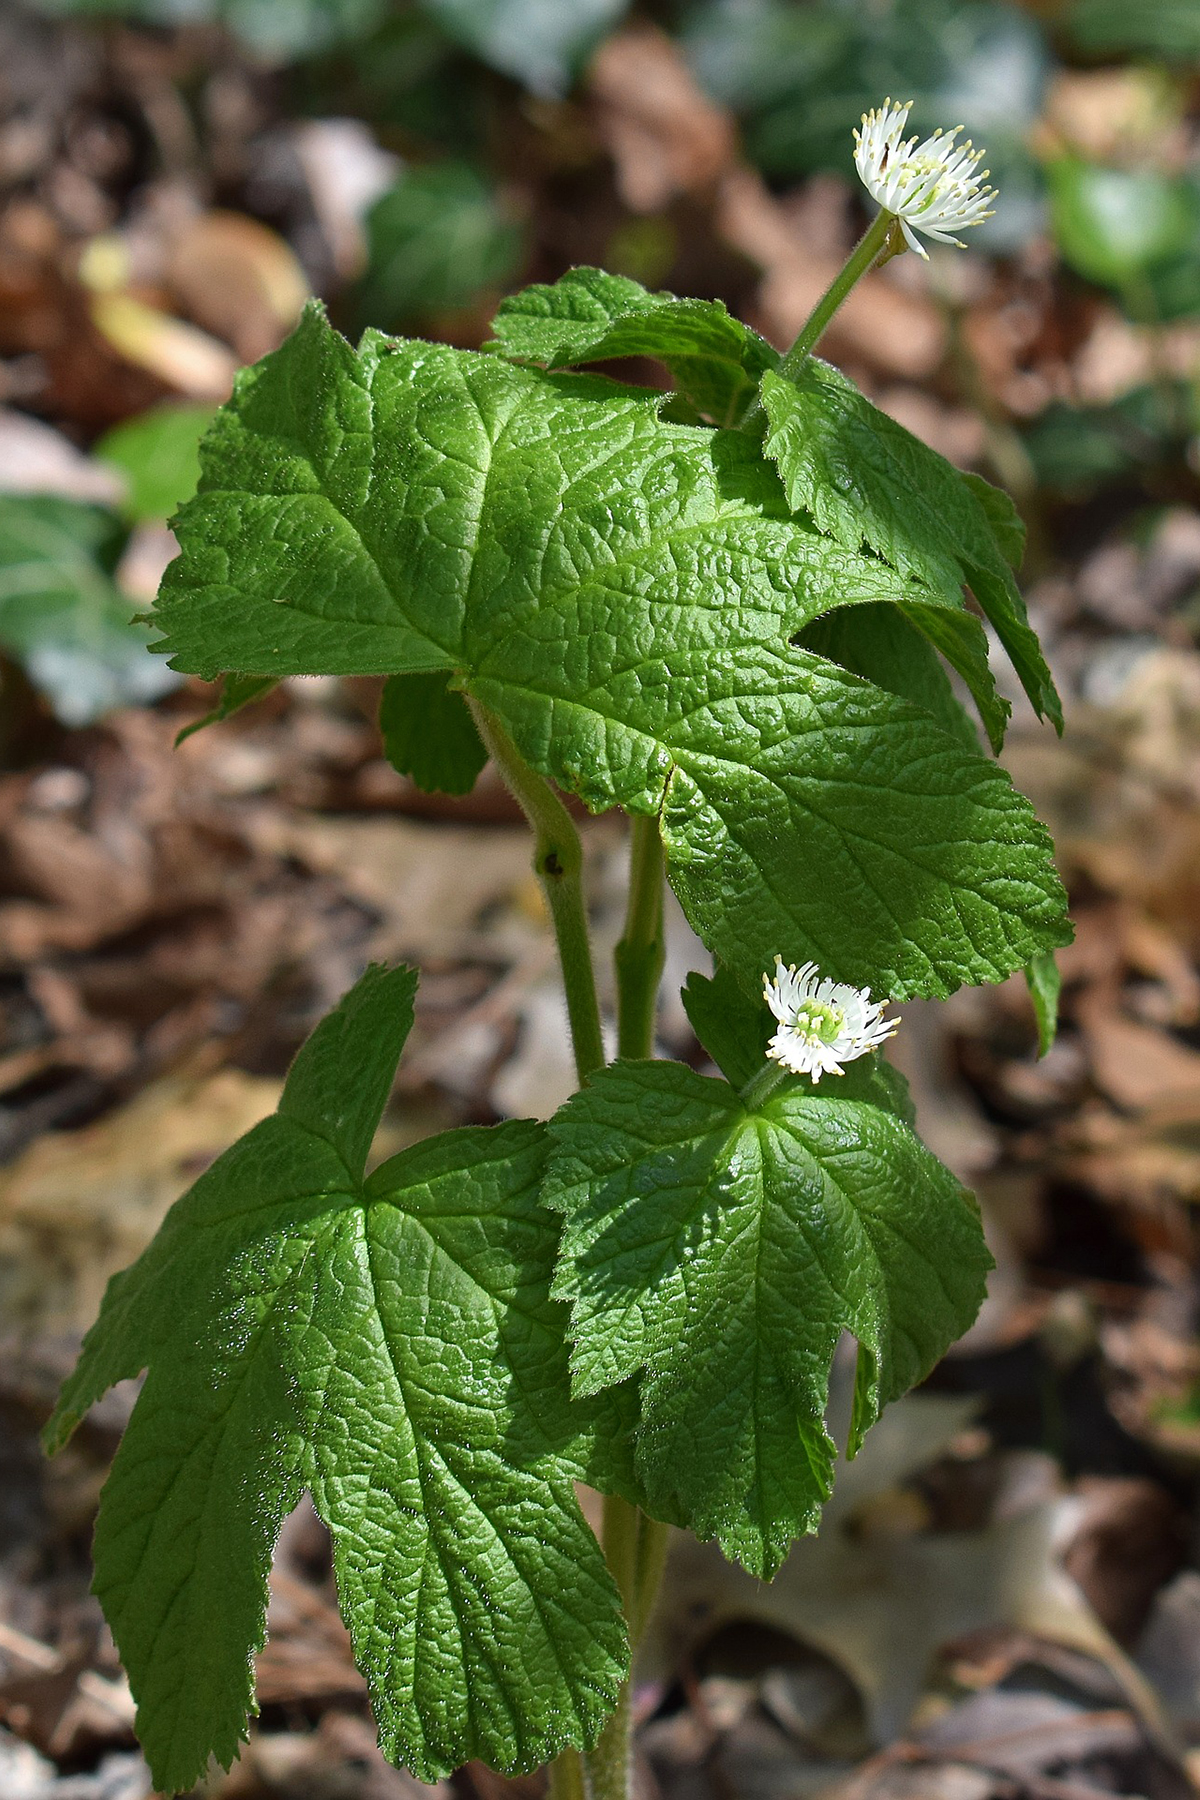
(1004, 1600)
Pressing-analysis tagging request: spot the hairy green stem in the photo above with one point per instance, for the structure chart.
(635, 1546)
(558, 865)
(566, 1777)
(609, 1767)
(653, 1541)
(873, 240)
(641, 951)
(760, 1087)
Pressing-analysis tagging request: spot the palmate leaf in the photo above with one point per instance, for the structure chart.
(622, 592)
(389, 1344)
(589, 316)
(722, 1251)
(865, 479)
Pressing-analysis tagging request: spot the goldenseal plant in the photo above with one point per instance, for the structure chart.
(730, 611)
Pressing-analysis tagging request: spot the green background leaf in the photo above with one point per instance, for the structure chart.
(61, 614)
(437, 240)
(540, 42)
(429, 734)
(158, 452)
(1114, 224)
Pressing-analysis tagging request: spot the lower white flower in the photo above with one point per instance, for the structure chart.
(934, 187)
(822, 1023)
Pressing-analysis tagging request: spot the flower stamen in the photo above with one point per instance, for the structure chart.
(822, 1024)
(933, 187)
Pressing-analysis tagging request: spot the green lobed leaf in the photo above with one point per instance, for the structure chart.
(865, 479)
(882, 644)
(62, 615)
(388, 1343)
(429, 734)
(622, 592)
(589, 316)
(722, 1252)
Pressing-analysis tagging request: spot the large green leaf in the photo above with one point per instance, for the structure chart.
(588, 316)
(723, 1251)
(63, 617)
(888, 648)
(623, 593)
(865, 479)
(389, 1344)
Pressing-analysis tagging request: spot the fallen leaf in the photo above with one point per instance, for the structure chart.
(239, 280)
(77, 1206)
(1136, 1065)
(186, 359)
(665, 136)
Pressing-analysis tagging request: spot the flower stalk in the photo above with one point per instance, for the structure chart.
(932, 187)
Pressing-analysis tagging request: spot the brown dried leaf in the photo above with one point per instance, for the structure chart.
(664, 134)
(77, 1206)
(1136, 1065)
(238, 279)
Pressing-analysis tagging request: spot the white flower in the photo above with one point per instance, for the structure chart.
(822, 1023)
(931, 187)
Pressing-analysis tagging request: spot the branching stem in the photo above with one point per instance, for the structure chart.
(558, 865)
(634, 1545)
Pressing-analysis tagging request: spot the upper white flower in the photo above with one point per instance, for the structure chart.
(931, 187)
(822, 1023)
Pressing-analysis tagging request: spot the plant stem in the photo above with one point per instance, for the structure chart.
(635, 1546)
(566, 1777)
(760, 1087)
(558, 865)
(641, 951)
(653, 1542)
(861, 257)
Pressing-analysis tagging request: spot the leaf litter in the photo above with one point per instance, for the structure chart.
(1001, 1578)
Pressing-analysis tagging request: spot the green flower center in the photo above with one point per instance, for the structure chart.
(817, 1022)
